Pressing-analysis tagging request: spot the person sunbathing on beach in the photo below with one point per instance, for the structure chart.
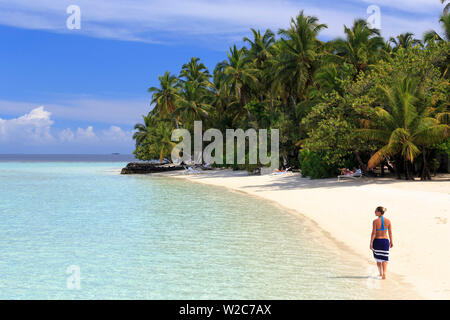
(346, 172)
(379, 242)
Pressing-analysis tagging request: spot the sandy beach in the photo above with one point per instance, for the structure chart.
(419, 212)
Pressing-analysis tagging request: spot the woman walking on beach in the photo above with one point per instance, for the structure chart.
(379, 242)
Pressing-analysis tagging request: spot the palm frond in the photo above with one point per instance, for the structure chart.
(378, 157)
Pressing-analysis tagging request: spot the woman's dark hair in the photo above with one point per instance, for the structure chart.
(381, 210)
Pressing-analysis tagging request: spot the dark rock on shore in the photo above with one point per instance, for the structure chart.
(145, 167)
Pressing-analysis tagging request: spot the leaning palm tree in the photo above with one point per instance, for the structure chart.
(164, 97)
(163, 145)
(406, 126)
(360, 47)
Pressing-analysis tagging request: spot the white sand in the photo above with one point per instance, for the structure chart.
(419, 212)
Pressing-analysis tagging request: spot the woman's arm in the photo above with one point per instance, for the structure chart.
(374, 232)
(390, 235)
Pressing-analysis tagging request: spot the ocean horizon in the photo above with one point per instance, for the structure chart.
(67, 157)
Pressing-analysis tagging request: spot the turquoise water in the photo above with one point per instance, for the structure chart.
(143, 237)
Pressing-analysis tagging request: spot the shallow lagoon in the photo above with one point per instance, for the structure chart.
(143, 237)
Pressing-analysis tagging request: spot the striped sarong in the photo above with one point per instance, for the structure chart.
(381, 250)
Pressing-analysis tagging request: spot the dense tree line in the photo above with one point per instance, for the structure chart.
(359, 101)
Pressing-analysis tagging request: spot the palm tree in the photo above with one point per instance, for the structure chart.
(327, 79)
(192, 105)
(155, 135)
(195, 73)
(407, 126)
(260, 46)
(165, 96)
(434, 36)
(298, 55)
(164, 146)
(361, 46)
(239, 73)
(143, 130)
(404, 40)
(222, 99)
(260, 52)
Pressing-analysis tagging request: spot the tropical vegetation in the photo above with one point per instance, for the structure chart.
(358, 101)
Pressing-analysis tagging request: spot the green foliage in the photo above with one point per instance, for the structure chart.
(314, 166)
(331, 128)
(360, 47)
(337, 104)
(443, 147)
(156, 143)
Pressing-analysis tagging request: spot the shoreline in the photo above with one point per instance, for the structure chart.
(420, 258)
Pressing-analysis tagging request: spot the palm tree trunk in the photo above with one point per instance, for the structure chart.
(362, 165)
(406, 169)
(171, 107)
(397, 171)
(241, 98)
(425, 169)
(408, 175)
(397, 168)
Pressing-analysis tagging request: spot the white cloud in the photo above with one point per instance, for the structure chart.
(66, 135)
(116, 111)
(34, 129)
(86, 134)
(206, 20)
(115, 133)
(415, 6)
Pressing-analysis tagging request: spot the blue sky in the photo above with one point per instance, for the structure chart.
(81, 91)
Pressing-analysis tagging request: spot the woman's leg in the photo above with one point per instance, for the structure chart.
(384, 269)
(380, 268)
